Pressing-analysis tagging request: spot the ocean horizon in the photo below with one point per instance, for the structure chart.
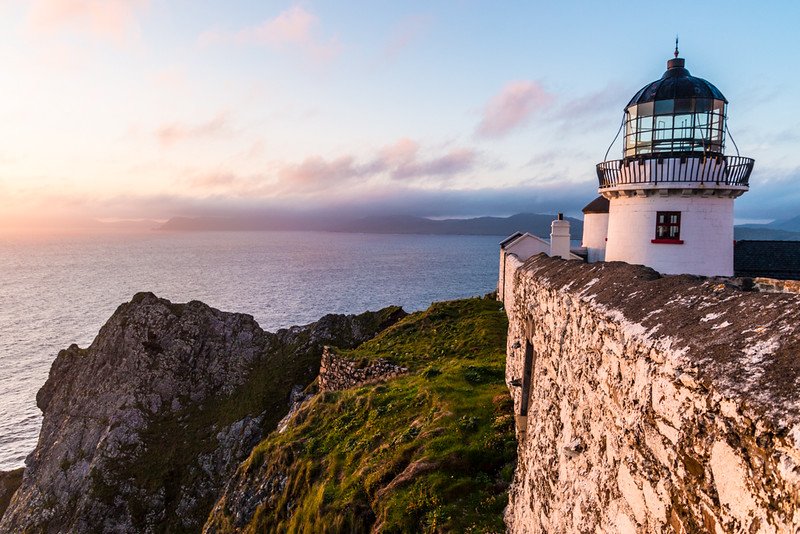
(55, 291)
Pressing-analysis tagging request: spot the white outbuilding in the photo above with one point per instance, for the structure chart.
(524, 245)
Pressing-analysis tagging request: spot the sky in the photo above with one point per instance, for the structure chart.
(132, 109)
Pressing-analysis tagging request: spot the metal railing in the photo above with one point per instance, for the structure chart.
(689, 168)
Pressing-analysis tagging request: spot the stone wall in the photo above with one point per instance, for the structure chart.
(779, 286)
(657, 404)
(337, 373)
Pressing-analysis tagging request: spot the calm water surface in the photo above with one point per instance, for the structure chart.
(58, 291)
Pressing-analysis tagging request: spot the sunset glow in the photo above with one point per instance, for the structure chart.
(148, 109)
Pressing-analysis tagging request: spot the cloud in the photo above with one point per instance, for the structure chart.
(175, 132)
(402, 161)
(113, 20)
(317, 176)
(295, 27)
(399, 161)
(389, 198)
(610, 98)
(404, 34)
(513, 108)
(773, 194)
(212, 180)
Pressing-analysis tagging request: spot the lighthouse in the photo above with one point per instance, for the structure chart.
(670, 197)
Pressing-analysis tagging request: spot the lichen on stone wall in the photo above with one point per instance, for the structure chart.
(679, 391)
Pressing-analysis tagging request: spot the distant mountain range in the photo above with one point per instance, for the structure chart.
(788, 230)
(535, 223)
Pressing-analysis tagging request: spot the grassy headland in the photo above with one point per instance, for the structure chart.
(431, 451)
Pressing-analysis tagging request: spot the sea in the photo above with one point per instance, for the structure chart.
(55, 291)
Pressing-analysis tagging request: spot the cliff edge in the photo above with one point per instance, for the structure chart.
(143, 428)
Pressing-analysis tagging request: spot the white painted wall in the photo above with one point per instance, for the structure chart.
(523, 247)
(528, 245)
(559, 239)
(595, 230)
(706, 229)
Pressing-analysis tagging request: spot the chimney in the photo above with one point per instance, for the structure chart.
(559, 237)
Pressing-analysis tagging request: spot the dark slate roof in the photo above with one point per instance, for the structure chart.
(770, 259)
(598, 205)
(509, 239)
(676, 83)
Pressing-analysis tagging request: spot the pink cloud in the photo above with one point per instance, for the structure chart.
(316, 173)
(294, 28)
(114, 20)
(213, 180)
(172, 133)
(513, 108)
(401, 160)
(319, 176)
(401, 153)
(454, 162)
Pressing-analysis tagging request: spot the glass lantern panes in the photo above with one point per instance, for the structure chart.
(680, 125)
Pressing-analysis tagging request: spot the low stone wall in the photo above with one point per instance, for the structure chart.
(774, 285)
(337, 373)
(657, 404)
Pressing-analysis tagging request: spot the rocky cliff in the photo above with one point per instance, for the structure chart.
(143, 428)
(9, 483)
(655, 404)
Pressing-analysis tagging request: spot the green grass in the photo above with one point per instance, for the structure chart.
(432, 451)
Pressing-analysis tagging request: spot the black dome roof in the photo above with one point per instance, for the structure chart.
(676, 83)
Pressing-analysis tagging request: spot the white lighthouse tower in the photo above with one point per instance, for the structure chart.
(671, 195)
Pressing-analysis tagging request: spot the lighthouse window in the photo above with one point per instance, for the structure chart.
(668, 226)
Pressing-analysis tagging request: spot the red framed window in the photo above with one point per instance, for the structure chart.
(668, 227)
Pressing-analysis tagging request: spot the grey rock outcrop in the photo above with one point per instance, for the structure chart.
(142, 429)
(9, 482)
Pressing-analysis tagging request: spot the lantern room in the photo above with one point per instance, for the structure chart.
(678, 113)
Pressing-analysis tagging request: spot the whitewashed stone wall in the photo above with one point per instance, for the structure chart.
(658, 404)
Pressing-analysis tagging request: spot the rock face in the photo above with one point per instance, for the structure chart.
(657, 404)
(142, 429)
(9, 482)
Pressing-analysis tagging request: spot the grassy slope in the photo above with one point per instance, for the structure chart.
(432, 451)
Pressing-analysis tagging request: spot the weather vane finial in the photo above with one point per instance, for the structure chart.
(676, 45)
